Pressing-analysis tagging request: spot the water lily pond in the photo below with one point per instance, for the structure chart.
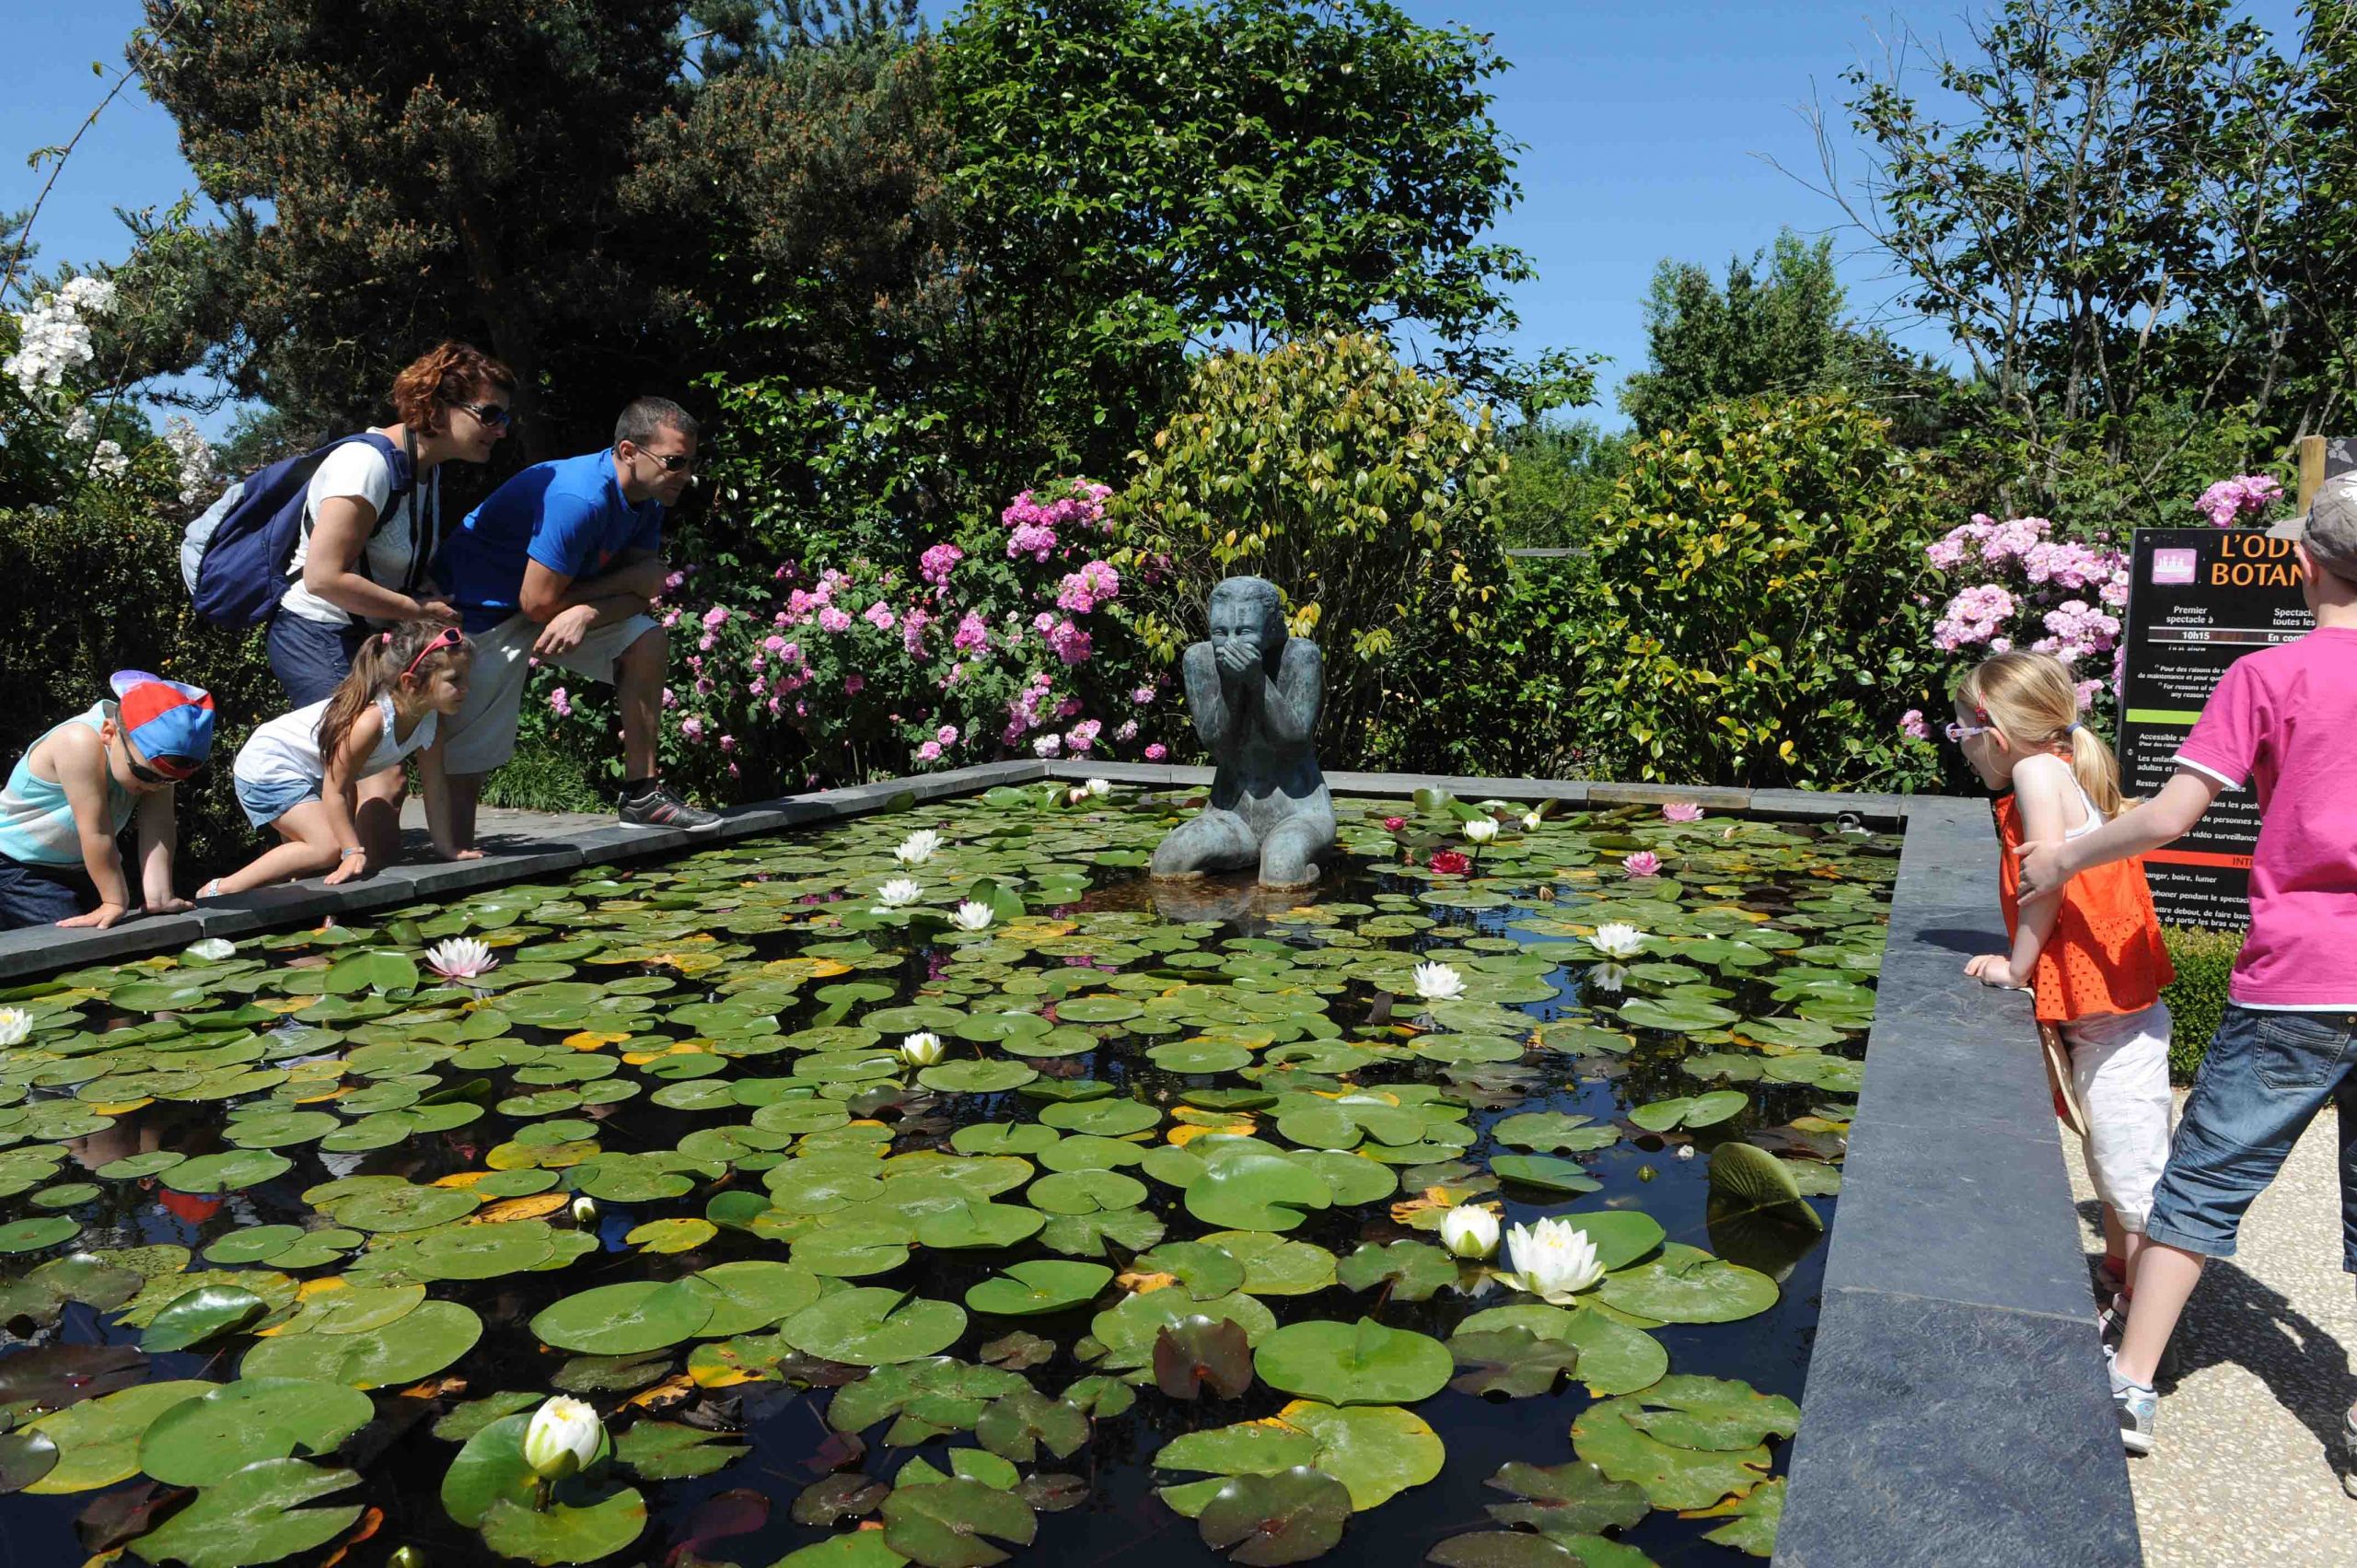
(972, 1201)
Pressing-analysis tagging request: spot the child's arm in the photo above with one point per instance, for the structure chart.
(435, 779)
(159, 833)
(337, 792)
(80, 759)
(2048, 862)
(2043, 794)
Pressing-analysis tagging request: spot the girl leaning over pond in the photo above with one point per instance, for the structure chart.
(372, 522)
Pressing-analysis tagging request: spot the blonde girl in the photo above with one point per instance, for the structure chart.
(301, 773)
(2091, 952)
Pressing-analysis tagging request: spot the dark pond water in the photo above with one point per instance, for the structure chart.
(752, 989)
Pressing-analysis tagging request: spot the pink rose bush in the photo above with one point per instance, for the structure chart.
(2242, 499)
(993, 644)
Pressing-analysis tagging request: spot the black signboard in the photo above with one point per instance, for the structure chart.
(2199, 599)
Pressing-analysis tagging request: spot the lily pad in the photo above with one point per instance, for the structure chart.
(1347, 1364)
(951, 1524)
(1695, 1110)
(1041, 1285)
(1686, 1284)
(201, 1441)
(1291, 1516)
(417, 1344)
(867, 1327)
(628, 1319)
(98, 1440)
(254, 1515)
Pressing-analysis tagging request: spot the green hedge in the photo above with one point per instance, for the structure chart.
(2205, 961)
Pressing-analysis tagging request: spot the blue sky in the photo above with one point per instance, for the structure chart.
(1649, 131)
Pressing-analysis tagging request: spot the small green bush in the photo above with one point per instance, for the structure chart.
(2204, 962)
(1760, 577)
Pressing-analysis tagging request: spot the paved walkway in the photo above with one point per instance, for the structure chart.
(2245, 1470)
(497, 828)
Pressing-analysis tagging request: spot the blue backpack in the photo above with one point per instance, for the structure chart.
(234, 557)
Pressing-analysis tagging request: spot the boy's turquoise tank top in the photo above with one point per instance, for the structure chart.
(36, 824)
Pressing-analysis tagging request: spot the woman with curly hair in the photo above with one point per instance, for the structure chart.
(372, 522)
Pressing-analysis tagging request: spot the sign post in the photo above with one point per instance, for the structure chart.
(2199, 599)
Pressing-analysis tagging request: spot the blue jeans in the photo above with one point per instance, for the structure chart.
(41, 894)
(2265, 1078)
(309, 658)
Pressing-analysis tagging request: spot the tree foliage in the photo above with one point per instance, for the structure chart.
(1364, 490)
(1757, 574)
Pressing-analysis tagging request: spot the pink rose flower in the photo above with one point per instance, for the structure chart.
(560, 703)
(946, 735)
(717, 616)
(692, 728)
(929, 752)
(1156, 751)
(1911, 725)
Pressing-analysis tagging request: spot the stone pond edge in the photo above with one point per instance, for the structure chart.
(1955, 1388)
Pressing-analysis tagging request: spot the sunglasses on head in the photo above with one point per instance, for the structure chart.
(449, 637)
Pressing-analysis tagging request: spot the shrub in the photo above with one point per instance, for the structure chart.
(1757, 580)
(2204, 962)
(1366, 492)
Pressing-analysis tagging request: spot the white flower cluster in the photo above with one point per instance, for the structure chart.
(53, 338)
(194, 454)
(110, 459)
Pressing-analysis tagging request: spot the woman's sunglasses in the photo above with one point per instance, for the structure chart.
(498, 416)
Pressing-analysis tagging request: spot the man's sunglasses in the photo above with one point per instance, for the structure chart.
(672, 461)
(498, 416)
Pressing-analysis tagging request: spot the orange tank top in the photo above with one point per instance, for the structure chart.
(2106, 955)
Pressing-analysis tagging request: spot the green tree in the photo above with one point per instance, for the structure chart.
(430, 169)
(1777, 332)
(1559, 473)
(1756, 580)
(1362, 488)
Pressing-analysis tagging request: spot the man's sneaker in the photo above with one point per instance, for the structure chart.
(659, 807)
(2138, 1409)
(2348, 1454)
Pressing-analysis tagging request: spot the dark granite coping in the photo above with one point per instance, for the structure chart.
(1955, 1409)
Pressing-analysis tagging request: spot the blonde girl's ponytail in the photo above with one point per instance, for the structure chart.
(2032, 699)
(382, 655)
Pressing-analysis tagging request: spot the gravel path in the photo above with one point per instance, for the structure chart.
(2246, 1467)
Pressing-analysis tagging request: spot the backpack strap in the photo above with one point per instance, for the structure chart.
(402, 466)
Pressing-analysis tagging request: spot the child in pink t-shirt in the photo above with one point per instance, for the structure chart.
(2283, 720)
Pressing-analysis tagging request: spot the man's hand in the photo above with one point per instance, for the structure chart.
(99, 918)
(353, 863)
(2042, 870)
(564, 631)
(1236, 656)
(1996, 968)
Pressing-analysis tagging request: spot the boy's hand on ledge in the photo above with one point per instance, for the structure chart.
(170, 906)
(98, 919)
(457, 853)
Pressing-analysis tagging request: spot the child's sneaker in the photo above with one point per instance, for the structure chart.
(2138, 1409)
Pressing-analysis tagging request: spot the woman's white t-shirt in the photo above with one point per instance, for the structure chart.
(287, 749)
(357, 469)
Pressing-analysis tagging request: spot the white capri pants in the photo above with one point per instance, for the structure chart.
(482, 734)
(2120, 1067)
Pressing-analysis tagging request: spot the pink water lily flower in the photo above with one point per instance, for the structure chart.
(1644, 863)
(1682, 811)
(460, 957)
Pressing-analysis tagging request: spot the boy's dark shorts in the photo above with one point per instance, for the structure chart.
(42, 895)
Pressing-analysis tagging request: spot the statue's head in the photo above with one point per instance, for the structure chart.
(1248, 606)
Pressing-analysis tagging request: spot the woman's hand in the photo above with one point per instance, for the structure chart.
(353, 863)
(1996, 968)
(436, 609)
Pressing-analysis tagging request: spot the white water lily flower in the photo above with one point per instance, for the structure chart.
(1481, 830)
(921, 1049)
(562, 1439)
(972, 916)
(900, 892)
(1686, 1151)
(16, 1025)
(1100, 788)
(461, 958)
(1076, 794)
(1530, 820)
(1616, 939)
(1470, 1231)
(212, 949)
(584, 1210)
(1439, 983)
(1554, 1259)
(918, 847)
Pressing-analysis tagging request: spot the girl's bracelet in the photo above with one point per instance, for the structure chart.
(348, 853)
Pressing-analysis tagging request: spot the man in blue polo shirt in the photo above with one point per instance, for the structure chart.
(562, 563)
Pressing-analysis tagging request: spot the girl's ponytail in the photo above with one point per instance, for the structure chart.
(2097, 771)
(382, 657)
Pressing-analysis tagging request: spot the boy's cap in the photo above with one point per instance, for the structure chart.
(2330, 526)
(170, 723)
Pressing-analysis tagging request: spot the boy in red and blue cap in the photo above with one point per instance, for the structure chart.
(74, 790)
